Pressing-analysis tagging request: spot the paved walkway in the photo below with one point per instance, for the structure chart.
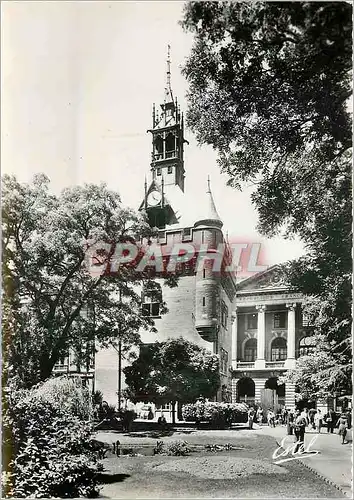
(334, 462)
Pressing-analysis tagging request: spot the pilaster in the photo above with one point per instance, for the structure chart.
(290, 361)
(260, 361)
(234, 340)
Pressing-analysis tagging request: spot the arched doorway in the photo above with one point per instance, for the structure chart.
(246, 390)
(273, 395)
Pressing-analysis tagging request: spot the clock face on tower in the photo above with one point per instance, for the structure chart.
(154, 198)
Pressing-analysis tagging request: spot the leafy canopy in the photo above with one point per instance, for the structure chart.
(175, 370)
(269, 84)
(52, 301)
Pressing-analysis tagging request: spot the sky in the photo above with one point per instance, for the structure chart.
(78, 83)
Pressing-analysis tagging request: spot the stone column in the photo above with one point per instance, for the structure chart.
(289, 395)
(290, 361)
(234, 340)
(260, 361)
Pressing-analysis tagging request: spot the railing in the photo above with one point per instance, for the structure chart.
(61, 368)
(245, 364)
(275, 364)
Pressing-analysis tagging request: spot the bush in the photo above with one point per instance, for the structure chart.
(219, 414)
(174, 448)
(47, 442)
(177, 448)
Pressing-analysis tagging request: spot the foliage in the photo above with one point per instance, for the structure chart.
(175, 370)
(53, 300)
(46, 448)
(176, 448)
(213, 411)
(321, 374)
(97, 398)
(269, 84)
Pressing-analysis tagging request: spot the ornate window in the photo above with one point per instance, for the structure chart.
(306, 346)
(250, 350)
(278, 349)
(279, 319)
(252, 321)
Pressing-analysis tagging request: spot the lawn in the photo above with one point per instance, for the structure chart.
(247, 472)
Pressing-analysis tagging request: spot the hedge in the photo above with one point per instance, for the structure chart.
(214, 412)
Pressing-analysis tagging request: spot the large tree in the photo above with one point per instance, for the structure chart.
(269, 84)
(52, 300)
(173, 371)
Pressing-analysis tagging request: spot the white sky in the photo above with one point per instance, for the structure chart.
(78, 83)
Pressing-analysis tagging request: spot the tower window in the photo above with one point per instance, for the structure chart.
(203, 273)
(158, 171)
(169, 169)
(170, 145)
(158, 147)
(203, 301)
(224, 314)
(187, 234)
(151, 301)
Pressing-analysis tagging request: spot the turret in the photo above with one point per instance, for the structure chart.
(208, 235)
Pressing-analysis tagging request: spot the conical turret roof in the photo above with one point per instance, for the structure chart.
(209, 216)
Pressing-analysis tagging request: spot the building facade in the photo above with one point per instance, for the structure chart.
(269, 333)
(255, 326)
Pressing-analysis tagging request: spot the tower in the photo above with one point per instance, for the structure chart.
(208, 232)
(167, 132)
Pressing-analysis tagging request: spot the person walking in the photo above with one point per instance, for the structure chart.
(271, 418)
(342, 425)
(260, 415)
(290, 422)
(251, 414)
(330, 421)
(318, 421)
(312, 413)
(299, 428)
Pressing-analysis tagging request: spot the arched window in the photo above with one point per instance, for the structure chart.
(170, 145)
(251, 350)
(158, 147)
(306, 346)
(278, 349)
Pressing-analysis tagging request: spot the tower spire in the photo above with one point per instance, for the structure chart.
(168, 89)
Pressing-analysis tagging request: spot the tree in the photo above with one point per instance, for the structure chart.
(52, 302)
(269, 84)
(173, 371)
(322, 373)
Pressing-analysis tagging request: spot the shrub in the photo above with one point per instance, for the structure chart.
(174, 448)
(47, 442)
(214, 412)
(177, 448)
